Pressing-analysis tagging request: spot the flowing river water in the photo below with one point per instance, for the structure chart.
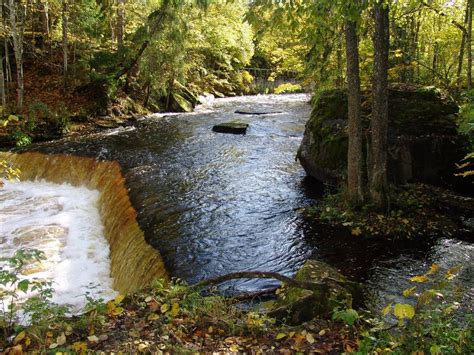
(215, 203)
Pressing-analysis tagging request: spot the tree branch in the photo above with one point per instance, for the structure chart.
(441, 13)
(157, 25)
(307, 285)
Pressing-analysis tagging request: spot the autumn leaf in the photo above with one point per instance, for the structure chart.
(404, 311)
(409, 291)
(93, 339)
(174, 309)
(433, 269)
(165, 308)
(153, 317)
(309, 338)
(61, 339)
(356, 231)
(234, 348)
(419, 278)
(119, 299)
(19, 337)
(280, 336)
(387, 309)
(79, 346)
(451, 273)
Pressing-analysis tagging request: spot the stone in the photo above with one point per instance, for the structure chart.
(179, 104)
(231, 127)
(297, 305)
(257, 113)
(424, 143)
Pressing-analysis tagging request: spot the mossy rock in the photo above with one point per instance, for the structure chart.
(296, 305)
(179, 104)
(424, 143)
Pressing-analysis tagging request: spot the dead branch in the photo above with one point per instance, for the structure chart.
(307, 285)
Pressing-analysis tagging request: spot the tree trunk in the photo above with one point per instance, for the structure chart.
(354, 153)
(120, 23)
(8, 67)
(65, 40)
(378, 170)
(469, 46)
(2, 87)
(18, 49)
(462, 47)
(340, 66)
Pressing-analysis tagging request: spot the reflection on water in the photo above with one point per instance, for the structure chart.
(214, 203)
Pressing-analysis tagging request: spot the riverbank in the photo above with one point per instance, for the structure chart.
(415, 211)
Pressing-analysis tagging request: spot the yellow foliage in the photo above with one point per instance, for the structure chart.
(404, 311)
(419, 278)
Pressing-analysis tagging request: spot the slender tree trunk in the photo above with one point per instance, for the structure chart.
(469, 46)
(462, 47)
(378, 176)
(18, 49)
(340, 66)
(120, 23)
(354, 153)
(8, 70)
(2, 86)
(8, 67)
(65, 40)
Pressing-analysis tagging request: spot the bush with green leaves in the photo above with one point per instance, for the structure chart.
(24, 300)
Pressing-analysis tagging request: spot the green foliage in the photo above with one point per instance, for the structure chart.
(287, 88)
(21, 139)
(431, 322)
(348, 316)
(37, 308)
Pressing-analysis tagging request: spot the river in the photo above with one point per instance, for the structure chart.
(215, 203)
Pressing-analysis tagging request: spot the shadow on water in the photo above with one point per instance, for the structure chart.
(215, 203)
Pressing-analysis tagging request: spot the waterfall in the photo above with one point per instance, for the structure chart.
(133, 262)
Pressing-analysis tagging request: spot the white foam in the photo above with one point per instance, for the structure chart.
(64, 222)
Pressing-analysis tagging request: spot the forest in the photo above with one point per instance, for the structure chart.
(268, 176)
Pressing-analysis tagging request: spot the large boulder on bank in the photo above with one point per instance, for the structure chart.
(297, 305)
(423, 140)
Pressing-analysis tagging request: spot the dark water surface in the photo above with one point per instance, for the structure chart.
(215, 203)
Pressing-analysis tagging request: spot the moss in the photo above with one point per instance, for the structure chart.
(423, 139)
(297, 305)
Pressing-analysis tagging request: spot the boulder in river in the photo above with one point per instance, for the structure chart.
(298, 305)
(233, 127)
(424, 143)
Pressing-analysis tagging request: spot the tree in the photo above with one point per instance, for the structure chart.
(17, 37)
(64, 27)
(120, 23)
(378, 185)
(469, 45)
(354, 153)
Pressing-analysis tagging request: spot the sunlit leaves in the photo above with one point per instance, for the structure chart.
(409, 291)
(419, 278)
(403, 311)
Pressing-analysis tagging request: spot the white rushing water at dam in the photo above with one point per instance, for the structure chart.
(62, 221)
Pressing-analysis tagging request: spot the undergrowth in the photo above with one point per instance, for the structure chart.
(414, 210)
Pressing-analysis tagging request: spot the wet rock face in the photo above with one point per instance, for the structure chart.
(423, 139)
(297, 305)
